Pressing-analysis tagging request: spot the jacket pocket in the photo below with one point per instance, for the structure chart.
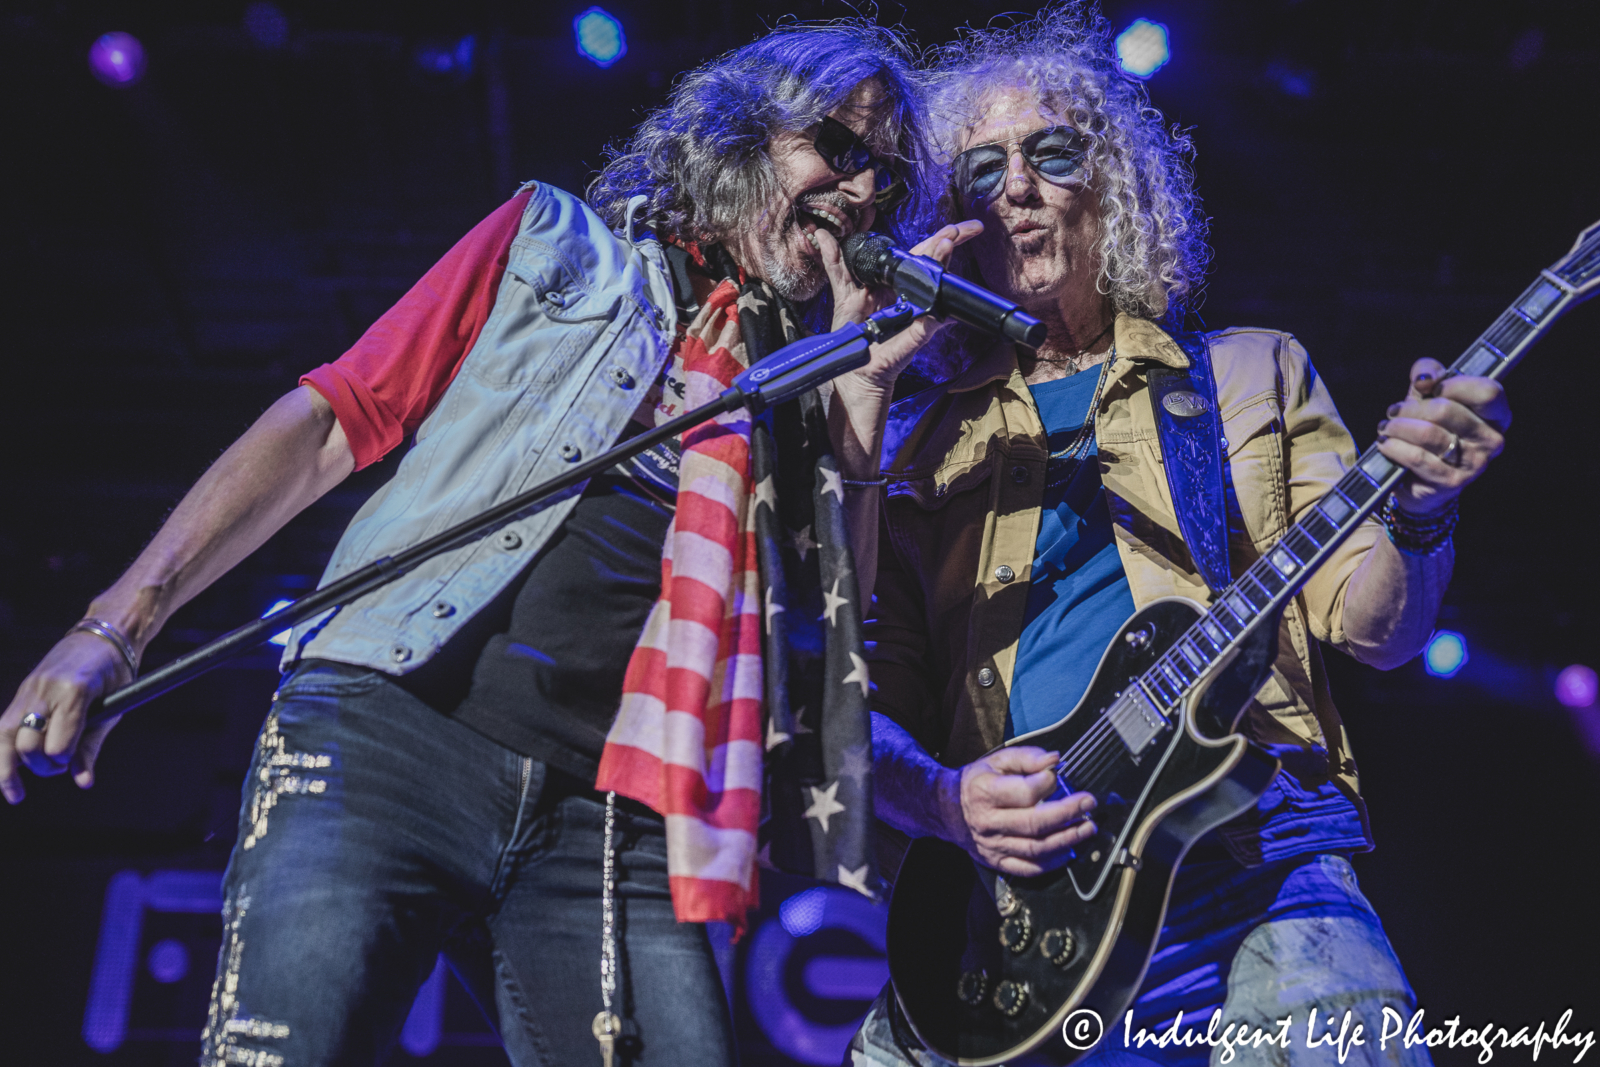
(1254, 432)
(546, 316)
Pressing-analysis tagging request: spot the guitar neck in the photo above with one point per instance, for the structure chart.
(1273, 580)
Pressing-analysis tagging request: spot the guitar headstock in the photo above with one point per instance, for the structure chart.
(1580, 268)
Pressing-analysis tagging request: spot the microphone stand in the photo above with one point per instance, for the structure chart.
(785, 374)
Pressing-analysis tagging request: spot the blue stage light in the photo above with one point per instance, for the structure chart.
(283, 638)
(600, 37)
(802, 913)
(1142, 47)
(1446, 654)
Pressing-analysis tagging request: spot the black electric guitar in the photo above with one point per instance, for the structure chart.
(989, 968)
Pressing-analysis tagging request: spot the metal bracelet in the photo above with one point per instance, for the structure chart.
(872, 484)
(119, 640)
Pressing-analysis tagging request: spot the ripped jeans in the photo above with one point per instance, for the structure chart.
(1260, 944)
(376, 833)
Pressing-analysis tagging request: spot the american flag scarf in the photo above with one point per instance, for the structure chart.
(744, 717)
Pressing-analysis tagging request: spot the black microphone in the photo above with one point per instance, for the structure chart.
(874, 260)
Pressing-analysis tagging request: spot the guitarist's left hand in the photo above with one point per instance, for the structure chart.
(1445, 433)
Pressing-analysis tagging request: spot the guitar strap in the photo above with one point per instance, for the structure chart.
(1190, 428)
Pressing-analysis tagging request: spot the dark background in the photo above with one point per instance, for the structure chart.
(1383, 179)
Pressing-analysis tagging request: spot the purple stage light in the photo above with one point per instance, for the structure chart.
(117, 59)
(1578, 686)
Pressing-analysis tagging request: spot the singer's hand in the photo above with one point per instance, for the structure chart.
(853, 303)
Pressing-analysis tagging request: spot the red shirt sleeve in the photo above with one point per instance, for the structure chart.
(384, 387)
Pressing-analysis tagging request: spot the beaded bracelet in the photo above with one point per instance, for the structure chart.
(871, 484)
(1417, 535)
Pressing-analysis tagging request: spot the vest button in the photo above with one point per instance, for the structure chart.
(556, 298)
(621, 378)
(570, 452)
(1003, 573)
(443, 610)
(509, 539)
(1019, 475)
(985, 677)
(399, 653)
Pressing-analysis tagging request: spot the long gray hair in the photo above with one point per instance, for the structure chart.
(702, 159)
(1153, 251)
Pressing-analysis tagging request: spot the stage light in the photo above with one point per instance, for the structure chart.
(283, 638)
(446, 59)
(801, 914)
(117, 59)
(600, 37)
(1446, 654)
(1142, 47)
(1578, 686)
(266, 24)
(168, 961)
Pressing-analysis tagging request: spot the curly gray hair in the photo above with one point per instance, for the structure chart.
(1153, 251)
(702, 160)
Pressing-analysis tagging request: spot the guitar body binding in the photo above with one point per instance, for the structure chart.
(986, 967)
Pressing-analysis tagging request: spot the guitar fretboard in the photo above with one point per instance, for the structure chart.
(1151, 703)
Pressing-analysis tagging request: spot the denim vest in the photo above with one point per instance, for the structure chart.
(581, 326)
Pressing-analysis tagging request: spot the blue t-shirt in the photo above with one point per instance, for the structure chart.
(1079, 596)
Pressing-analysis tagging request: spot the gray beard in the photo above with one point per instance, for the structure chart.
(795, 284)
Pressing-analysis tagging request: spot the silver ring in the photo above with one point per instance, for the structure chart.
(1453, 453)
(34, 721)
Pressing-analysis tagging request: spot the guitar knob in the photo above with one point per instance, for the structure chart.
(1058, 946)
(1017, 930)
(1137, 639)
(971, 987)
(1010, 998)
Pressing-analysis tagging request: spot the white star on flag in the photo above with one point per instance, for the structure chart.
(773, 608)
(802, 541)
(855, 763)
(856, 879)
(823, 804)
(831, 483)
(800, 726)
(775, 737)
(834, 602)
(859, 675)
(766, 494)
(764, 857)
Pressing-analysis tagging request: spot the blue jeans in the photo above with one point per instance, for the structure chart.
(1260, 944)
(376, 833)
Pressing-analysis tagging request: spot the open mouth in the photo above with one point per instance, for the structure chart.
(815, 215)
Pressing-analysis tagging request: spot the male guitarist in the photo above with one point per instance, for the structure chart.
(1028, 512)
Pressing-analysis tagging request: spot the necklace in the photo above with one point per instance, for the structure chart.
(1071, 362)
(1063, 463)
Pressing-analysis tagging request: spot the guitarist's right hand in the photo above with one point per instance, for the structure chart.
(1010, 821)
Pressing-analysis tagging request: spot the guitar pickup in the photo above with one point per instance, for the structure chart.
(1136, 720)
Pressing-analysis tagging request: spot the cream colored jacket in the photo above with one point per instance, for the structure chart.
(965, 468)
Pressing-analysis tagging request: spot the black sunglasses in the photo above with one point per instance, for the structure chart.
(1055, 153)
(843, 149)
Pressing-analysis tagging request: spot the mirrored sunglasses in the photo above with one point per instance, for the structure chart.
(1055, 153)
(844, 150)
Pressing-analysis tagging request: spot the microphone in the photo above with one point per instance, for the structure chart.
(874, 260)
